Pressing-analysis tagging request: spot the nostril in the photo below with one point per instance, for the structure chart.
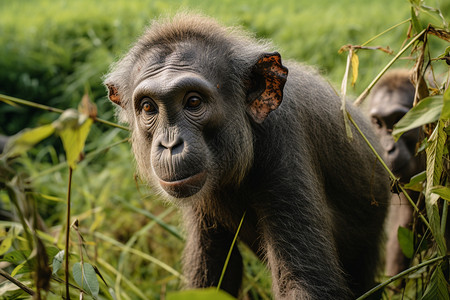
(177, 146)
(391, 149)
(174, 146)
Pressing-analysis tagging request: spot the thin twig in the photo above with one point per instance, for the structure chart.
(29, 103)
(230, 251)
(367, 90)
(391, 175)
(401, 274)
(66, 271)
(63, 164)
(7, 99)
(17, 282)
(110, 124)
(387, 30)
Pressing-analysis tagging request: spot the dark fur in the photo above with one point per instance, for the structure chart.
(391, 98)
(315, 201)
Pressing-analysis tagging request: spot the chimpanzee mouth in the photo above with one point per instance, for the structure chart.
(185, 187)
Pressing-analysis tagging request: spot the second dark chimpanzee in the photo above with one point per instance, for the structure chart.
(391, 99)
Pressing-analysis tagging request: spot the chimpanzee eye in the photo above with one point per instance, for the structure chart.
(193, 101)
(148, 106)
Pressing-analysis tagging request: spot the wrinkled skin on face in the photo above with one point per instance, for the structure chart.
(172, 108)
(173, 113)
(177, 111)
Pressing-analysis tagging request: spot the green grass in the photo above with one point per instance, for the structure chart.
(52, 51)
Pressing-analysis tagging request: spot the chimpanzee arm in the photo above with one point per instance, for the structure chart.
(301, 257)
(205, 253)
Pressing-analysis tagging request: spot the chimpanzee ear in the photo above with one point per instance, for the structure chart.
(113, 94)
(267, 80)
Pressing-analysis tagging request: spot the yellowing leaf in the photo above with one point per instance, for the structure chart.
(17, 269)
(355, 65)
(26, 139)
(51, 198)
(6, 244)
(73, 128)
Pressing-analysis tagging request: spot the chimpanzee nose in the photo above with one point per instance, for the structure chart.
(174, 145)
(388, 143)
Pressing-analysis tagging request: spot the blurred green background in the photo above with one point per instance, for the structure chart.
(52, 51)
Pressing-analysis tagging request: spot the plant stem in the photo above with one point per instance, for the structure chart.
(63, 164)
(367, 90)
(391, 175)
(387, 30)
(229, 252)
(7, 99)
(29, 103)
(66, 271)
(110, 124)
(400, 275)
(17, 282)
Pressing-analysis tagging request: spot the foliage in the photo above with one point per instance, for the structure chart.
(52, 50)
(123, 243)
(434, 112)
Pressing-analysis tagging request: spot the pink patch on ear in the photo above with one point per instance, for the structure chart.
(275, 75)
(113, 94)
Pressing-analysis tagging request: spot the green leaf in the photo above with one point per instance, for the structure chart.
(200, 294)
(86, 278)
(6, 244)
(52, 198)
(415, 21)
(443, 192)
(423, 145)
(57, 261)
(16, 257)
(17, 269)
(446, 109)
(51, 252)
(426, 111)
(437, 288)
(406, 241)
(434, 170)
(446, 53)
(26, 139)
(416, 182)
(73, 128)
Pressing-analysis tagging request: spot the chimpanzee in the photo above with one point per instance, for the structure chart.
(391, 98)
(220, 128)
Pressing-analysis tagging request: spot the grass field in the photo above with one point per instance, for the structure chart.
(53, 51)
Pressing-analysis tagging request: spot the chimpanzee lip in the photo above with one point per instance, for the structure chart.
(185, 187)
